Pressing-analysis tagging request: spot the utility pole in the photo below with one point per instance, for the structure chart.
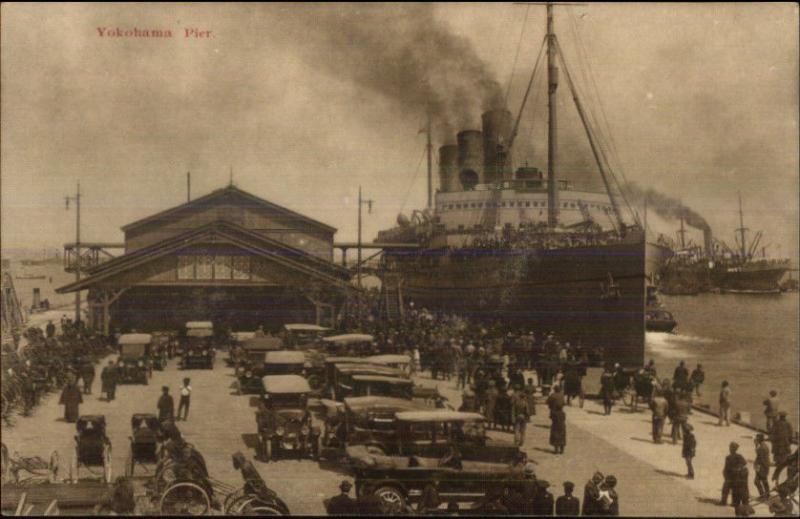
(77, 200)
(188, 187)
(361, 203)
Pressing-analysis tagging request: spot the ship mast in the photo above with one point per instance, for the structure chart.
(682, 234)
(429, 149)
(552, 86)
(741, 230)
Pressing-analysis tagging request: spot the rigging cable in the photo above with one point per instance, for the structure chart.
(611, 144)
(516, 54)
(413, 179)
(515, 130)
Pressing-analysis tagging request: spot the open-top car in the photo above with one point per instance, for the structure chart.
(350, 345)
(134, 363)
(447, 446)
(198, 346)
(283, 419)
(282, 362)
(301, 336)
(365, 420)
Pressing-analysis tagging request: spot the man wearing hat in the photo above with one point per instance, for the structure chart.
(530, 488)
(734, 472)
(591, 495)
(568, 504)
(781, 437)
(689, 448)
(108, 379)
(761, 466)
(543, 503)
(491, 401)
(342, 504)
(166, 405)
(609, 499)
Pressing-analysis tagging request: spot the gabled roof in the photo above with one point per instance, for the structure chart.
(228, 190)
(255, 243)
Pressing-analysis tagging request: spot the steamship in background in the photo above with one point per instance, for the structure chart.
(719, 267)
(524, 246)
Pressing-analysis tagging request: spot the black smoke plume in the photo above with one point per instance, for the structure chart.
(402, 52)
(665, 206)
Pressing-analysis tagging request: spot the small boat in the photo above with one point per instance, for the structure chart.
(659, 320)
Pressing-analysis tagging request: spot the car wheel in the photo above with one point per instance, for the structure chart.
(392, 499)
(376, 449)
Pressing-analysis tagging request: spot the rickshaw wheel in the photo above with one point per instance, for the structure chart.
(184, 498)
(266, 447)
(253, 506)
(376, 449)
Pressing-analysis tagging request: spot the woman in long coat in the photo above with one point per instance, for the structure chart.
(71, 398)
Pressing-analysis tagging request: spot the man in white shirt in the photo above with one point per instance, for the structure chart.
(183, 405)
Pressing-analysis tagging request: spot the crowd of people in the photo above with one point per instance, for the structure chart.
(46, 362)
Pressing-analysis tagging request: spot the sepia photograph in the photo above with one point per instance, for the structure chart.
(412, 259)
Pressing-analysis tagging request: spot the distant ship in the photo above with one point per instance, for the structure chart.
(722, 268)
(523, 246)
(46, 260)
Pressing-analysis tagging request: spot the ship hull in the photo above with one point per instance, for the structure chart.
(751, 280)
(594, 295)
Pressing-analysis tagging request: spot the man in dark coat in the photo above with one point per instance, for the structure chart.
(166, 405)
(591, 494)
(781, 437)
(50, 330)
(568, 504)
(680, 378)
(558, 420)
(430, 500)
(71, 398)
(108, 379)
(735, 467)
(761, 466)
(543, 502)
(689, 449)
(607, 390)
(87, 374)
(698, 376)
(342, 504)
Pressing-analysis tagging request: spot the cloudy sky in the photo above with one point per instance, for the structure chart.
(307, 103)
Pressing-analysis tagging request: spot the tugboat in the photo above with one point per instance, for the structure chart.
(524, 246)
(657, 318)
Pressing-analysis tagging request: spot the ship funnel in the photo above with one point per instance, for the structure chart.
(707, 242)
(496, 135)
(470, 159)
(448, 168)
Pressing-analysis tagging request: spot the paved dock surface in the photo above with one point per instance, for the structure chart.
(651, 477)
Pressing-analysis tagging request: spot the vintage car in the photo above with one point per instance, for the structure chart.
(283, 419)
(134, 364)
(339, 372)
(401, 362)
(198, 346)
(365, 420)
(281, 362)
(349, 344)
(302, 336)
(466, 466)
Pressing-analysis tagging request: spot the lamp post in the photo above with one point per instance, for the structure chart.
(77, 200)
(361, 203)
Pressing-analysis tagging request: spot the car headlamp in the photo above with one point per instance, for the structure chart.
(279, 431)
(141, 364)
(248, 374)
(121, 364)
(205, 352)
(305, 430)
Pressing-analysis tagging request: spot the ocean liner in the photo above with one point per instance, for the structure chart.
(523, 245)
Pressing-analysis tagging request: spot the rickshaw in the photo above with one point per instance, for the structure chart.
(145, 440)
(283, 418)
(92, 448)
(301, 336)
(134, 365)
(198, 347)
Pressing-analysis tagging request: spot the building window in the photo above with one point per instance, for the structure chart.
(204, 269)
(527, 204)
(222, 267)
(241, 267)
(185, 267)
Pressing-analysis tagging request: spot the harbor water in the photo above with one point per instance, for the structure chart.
(749, 340)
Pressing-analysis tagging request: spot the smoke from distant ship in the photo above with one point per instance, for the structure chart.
(402, 52)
